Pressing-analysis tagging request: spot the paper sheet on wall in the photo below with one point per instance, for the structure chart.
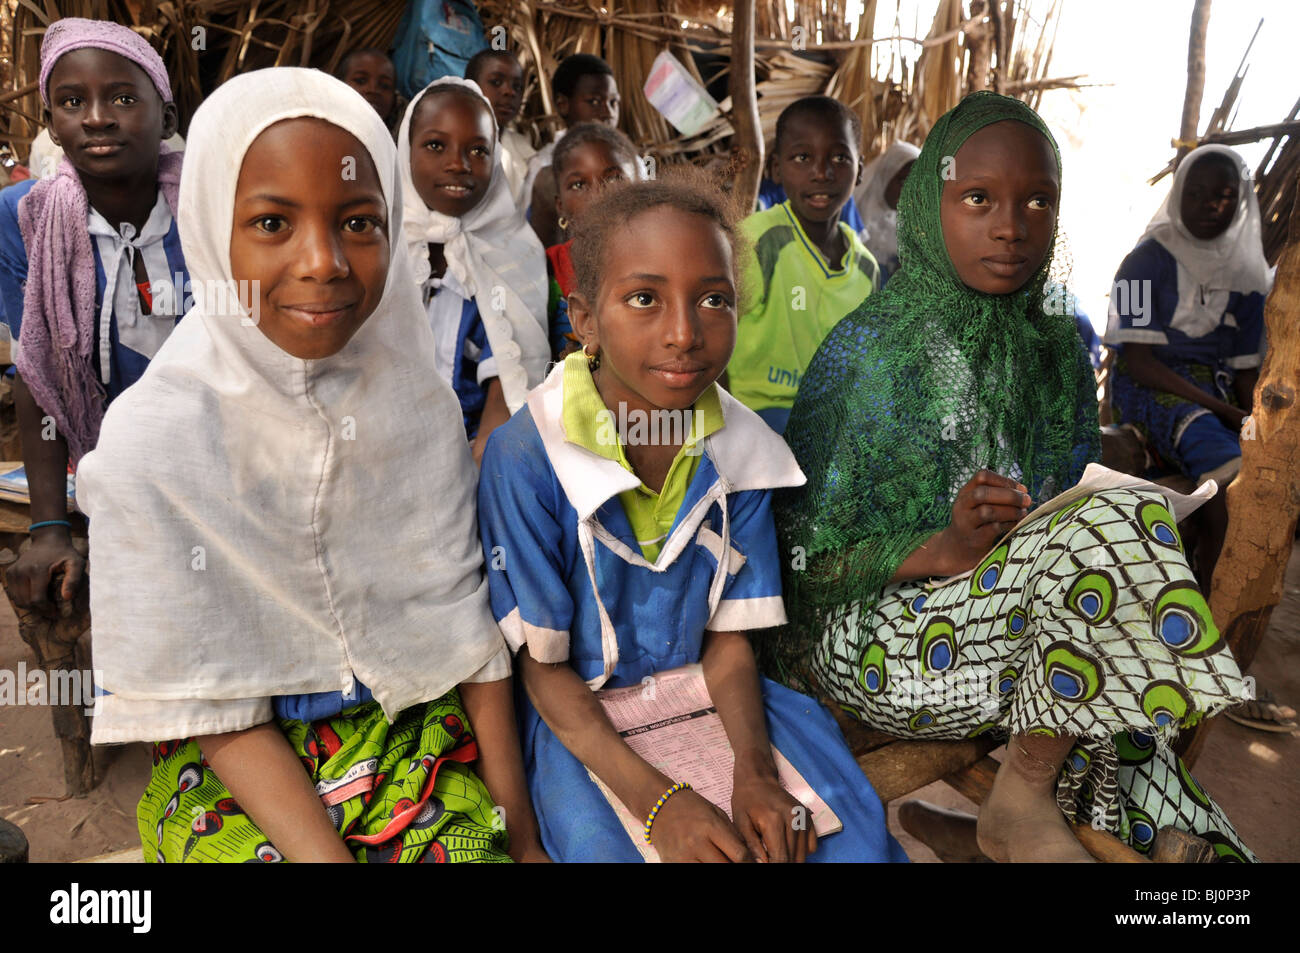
(670, 721)
(677, 95)
(1097, 478)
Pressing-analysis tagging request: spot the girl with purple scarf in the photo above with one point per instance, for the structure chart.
(91, 273)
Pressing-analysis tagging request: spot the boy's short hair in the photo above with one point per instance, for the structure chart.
(587, 132)
(825, 109)
(479, 59)
(341, 71)
(682, 187)
(573, 68)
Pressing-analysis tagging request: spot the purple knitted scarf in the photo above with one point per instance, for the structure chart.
(58, 330)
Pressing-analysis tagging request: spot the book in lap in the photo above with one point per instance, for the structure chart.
(670, 721)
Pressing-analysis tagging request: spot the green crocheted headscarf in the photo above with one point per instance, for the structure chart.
(925, 383)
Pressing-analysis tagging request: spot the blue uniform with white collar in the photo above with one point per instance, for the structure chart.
(548, 510)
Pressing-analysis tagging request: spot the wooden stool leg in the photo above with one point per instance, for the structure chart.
(54, 642)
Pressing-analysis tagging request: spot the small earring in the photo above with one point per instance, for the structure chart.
(593, 360)
(564, 223)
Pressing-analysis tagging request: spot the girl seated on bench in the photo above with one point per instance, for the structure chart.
(287, 577)
(928, 424)
(614, 557)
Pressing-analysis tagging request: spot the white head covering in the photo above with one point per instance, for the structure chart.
(1209, 271)
(266, 525)
(493, 253)
(880, 222)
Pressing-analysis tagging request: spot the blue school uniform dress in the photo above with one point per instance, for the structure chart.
(1206, 342)
(463, 352)
(568, 578)
(126, 339)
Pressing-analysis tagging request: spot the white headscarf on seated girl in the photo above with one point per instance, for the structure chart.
(879, 221)
(1210, 270)
(493, 252)
(265, 525)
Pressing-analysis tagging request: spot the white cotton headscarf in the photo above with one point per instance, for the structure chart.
(493, 252)
(1209, 271)
(264, 525)
(880, 222)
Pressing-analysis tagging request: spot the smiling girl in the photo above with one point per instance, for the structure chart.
(91, 270)
(929, 422)
(481, 270)
(306, 625)
(614, 560)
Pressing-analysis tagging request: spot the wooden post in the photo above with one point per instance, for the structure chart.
(1264, 499)
(1195, 78)
(747, 141)
(979, 45)
(53, 639)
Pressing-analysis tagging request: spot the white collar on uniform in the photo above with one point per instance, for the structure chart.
(746, 452)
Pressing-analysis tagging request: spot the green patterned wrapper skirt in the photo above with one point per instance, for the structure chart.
(399, 793)
(1084, 622)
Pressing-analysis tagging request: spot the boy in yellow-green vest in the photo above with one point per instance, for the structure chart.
(805, 269)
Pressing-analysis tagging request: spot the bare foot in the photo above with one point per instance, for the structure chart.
(1020, 822)
(950, 834)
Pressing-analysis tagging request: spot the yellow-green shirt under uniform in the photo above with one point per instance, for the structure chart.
(593, 426)
(793, 298)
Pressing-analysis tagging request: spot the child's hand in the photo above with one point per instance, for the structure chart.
(50, 557)
(986, 508)
(765, 813)
(688, 828)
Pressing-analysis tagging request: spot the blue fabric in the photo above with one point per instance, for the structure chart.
(319, 706)
(472, 348)
(1204, 361)
(661, 619)
(1151, 262)
(771, 193)
(1089, 337)
(1207, 444)
(125, 365)
(775, 417)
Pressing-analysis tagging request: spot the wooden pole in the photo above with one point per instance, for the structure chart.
(1195, 78)
(747, 144)
(1264, 499)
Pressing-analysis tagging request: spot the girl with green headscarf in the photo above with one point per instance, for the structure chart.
(930, 421)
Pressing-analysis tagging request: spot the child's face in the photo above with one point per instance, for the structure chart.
(106, 115)
(314, 239)
(1210, 197)
(451, 152)
(664, 320)
(818, 165)
(374, 77)
(586, 171)
(502, 80)
(594, 99)
(999, 210)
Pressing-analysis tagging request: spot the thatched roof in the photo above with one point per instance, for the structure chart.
(898, 85)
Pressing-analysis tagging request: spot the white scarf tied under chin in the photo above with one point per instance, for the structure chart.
(493, 252)
(267, 525)
(1210, 270)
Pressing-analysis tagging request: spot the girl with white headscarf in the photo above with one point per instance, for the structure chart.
(878, 203)
(1187, 319)
(287, 573)
(487, 298)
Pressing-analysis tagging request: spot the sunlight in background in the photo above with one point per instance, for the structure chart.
(1115, 137)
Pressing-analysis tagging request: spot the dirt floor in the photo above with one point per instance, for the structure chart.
(1254, 775)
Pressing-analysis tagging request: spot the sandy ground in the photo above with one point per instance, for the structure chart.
(1254, 775)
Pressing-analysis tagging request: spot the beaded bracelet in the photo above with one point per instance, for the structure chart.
(663, 799)
(49, 523)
